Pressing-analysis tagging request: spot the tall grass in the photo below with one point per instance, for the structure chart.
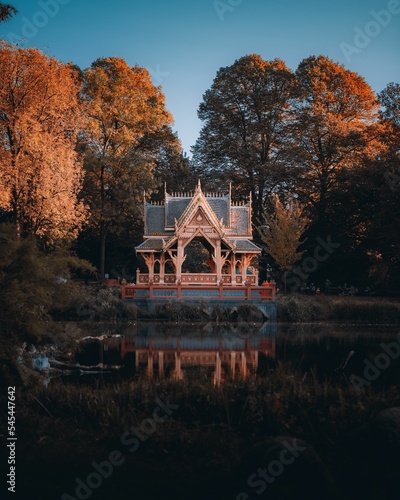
(206, 436)
(284, 400)
(300, 308)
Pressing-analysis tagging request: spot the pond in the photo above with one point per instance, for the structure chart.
(228, 391)
(216, 353)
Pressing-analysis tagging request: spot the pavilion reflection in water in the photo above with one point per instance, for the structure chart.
(223, 357)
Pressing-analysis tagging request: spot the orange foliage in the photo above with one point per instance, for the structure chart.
(125, 120)
(335, 123)
(40, 175)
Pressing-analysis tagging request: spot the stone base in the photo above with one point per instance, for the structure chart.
(268, 308)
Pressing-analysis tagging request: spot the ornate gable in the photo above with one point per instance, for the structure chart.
(199, 213)
(200, 218)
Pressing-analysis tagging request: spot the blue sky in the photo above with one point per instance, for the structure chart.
(184, 42)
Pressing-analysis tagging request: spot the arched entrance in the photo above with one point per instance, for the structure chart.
(198, 257)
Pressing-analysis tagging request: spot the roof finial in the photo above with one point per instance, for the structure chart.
(198, 188)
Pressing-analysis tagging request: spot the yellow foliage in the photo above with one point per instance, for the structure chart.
(40, 175)
(281, 232)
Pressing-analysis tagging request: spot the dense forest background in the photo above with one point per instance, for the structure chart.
(316, 148)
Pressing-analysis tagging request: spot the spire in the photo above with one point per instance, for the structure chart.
(198, 188)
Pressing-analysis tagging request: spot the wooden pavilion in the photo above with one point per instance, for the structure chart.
(224, 230)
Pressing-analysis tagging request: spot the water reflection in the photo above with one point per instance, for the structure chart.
(215, 353)
(161, 352)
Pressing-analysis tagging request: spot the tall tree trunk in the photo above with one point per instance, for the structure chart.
(16, 217)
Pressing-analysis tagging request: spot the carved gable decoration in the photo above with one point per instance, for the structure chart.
(199, 213)
(200, 219)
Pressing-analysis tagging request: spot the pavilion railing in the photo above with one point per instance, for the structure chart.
(197, 278)
(182, 291)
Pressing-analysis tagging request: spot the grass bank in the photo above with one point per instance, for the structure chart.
(100, 303)
(367, 310)
(200, 447)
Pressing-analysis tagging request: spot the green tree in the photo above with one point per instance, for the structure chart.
(245, 114)
(126, 133)
(6, 11)
(197, 258)
(281, 232)
(174, 171)
(32, 285)
(390, 101)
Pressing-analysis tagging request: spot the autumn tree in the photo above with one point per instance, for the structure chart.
(40, 175)
(334, 130)
(380, 184)
(245, 114)
(6, 12)
(127, 129)
(282, 231)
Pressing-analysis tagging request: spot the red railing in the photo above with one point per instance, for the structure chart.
(196, 278)
(179, 291)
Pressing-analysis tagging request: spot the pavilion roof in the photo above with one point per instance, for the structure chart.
(233, 219)
(152, 245)
(246, 246)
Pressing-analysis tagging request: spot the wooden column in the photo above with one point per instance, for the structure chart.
(178, 367)
(180, 258)
(233, 270)
(246, 259)
(233, 364)
(242, 365)
(218, 263)
(150, 364)
(149, 259)
(217, 373)
(255, 361)
(161, 364)
(244, 269)
(162, 268)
